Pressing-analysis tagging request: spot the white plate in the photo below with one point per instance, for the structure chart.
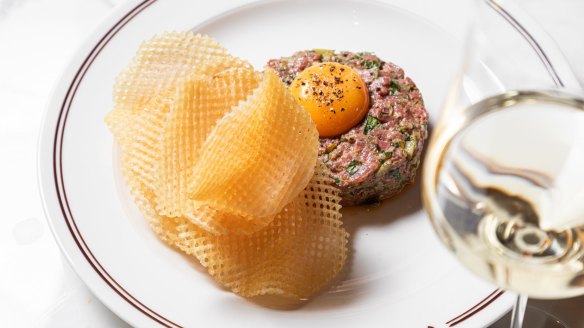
(399, 276)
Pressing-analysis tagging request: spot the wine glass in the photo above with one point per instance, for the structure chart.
(503, 178)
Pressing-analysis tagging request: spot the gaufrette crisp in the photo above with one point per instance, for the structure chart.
(298, 253)
(199, 102)
(165, 59)
(267, 147)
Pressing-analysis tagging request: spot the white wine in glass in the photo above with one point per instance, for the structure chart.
(505, 188)
(503, 178)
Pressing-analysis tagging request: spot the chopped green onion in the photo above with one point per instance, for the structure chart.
(370, 124)
(394, 86)
(395, 173)
(353, 167)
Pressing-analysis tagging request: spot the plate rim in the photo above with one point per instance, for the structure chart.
(54, 209)
(52, 190)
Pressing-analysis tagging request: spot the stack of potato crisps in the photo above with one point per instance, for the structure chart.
(222, 161)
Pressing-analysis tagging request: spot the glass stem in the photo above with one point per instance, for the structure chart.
(518, 311)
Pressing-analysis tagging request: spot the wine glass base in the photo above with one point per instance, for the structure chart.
(534, 318)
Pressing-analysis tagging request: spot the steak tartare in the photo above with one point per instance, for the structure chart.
(380, 155)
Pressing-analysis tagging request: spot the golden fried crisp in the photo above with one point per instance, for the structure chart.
(298, 253)
(267, 147)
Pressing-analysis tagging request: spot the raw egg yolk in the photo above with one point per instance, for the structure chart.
(335, 96)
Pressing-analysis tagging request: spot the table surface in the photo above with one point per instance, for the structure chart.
(38, 288)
